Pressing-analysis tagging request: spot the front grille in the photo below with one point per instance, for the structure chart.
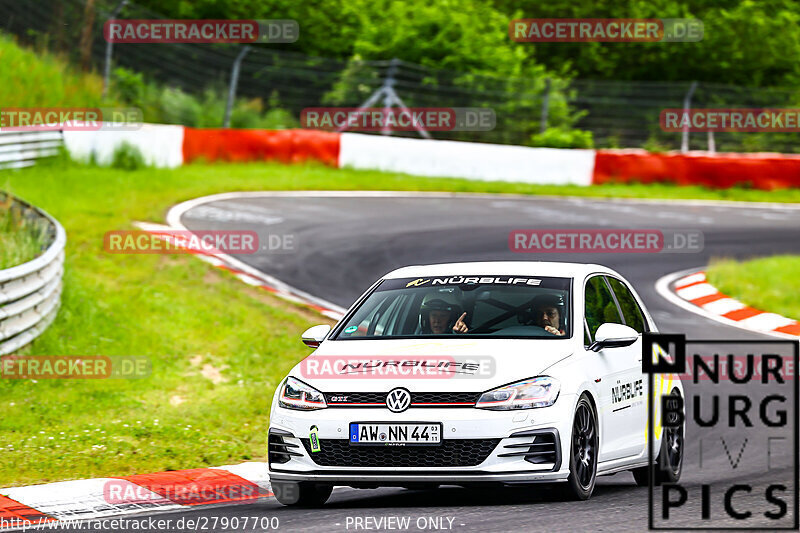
(418, 399)
(450, 453)
(542, 446)
(356, 397)
(445, 397)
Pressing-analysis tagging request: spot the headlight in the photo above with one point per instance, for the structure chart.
(297, 395)
(541, 391)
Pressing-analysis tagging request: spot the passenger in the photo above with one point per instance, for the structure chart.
(545, 311)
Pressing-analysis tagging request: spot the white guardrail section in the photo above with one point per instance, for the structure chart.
(20, 149)
(30, 293)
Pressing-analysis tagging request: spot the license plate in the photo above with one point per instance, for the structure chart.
(395, 434)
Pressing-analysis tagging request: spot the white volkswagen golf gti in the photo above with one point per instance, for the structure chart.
(474, 373)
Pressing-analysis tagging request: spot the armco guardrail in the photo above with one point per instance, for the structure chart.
(19, 149)
(30, 293)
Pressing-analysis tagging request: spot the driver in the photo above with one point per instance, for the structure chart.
(545, 312)
(437, 315)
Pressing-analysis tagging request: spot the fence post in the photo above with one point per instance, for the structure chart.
(687, 104)
(237, 63)
(388, 82)
(545, 106)
(109, 47)
(712, 146)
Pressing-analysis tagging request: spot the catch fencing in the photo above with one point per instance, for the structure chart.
(617, 114)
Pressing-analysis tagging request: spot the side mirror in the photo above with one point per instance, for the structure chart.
(610, 335)
(314, 335)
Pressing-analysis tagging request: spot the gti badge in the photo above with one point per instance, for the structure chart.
(398, 400)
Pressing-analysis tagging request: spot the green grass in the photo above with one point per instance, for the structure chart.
(32, 79)
(21, 240)
(183, 315)
(769, 284)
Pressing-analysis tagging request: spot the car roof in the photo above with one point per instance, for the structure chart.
(500, 268)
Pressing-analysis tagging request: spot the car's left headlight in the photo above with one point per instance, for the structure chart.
(297, 395)
(541, 391)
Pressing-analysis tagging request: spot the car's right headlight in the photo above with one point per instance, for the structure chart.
(297, 395)
(541, 391)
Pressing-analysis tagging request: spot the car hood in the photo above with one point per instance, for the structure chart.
(428, 365)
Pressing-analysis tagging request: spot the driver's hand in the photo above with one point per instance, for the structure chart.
(460, 326)
(552, 330)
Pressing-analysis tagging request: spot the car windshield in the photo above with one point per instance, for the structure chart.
(486, 305)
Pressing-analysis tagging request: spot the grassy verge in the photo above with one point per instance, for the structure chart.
(32, 79)
(218, 347)
(20, 240)
(769, 284)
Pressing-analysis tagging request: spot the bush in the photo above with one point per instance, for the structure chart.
(127, 157)
(655, 145)
(169, 105)
(563, 138)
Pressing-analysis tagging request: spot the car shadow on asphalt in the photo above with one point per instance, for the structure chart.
(454, 496)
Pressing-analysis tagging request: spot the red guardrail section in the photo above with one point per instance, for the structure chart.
(286, 146)
(760, 171)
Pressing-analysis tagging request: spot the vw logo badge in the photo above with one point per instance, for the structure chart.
(398, 400)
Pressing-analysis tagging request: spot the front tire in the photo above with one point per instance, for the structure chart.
(301, 494)
(669, 462)
(583, 454)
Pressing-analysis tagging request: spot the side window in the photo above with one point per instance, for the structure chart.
(600, 305)
(387, 323)
(630, 309)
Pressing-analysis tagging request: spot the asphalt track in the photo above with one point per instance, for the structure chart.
(342, 244)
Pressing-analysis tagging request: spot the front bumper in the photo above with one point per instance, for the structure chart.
(519, 436)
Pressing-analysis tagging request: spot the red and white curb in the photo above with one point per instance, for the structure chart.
(248, 274)
(690, 290)
(23, 507)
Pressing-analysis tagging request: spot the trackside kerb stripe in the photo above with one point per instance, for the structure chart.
(88, 499)
(218, 260)
(695, 289)
(703, 300)
(11, 512)
(199, 486)
(791, 329)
